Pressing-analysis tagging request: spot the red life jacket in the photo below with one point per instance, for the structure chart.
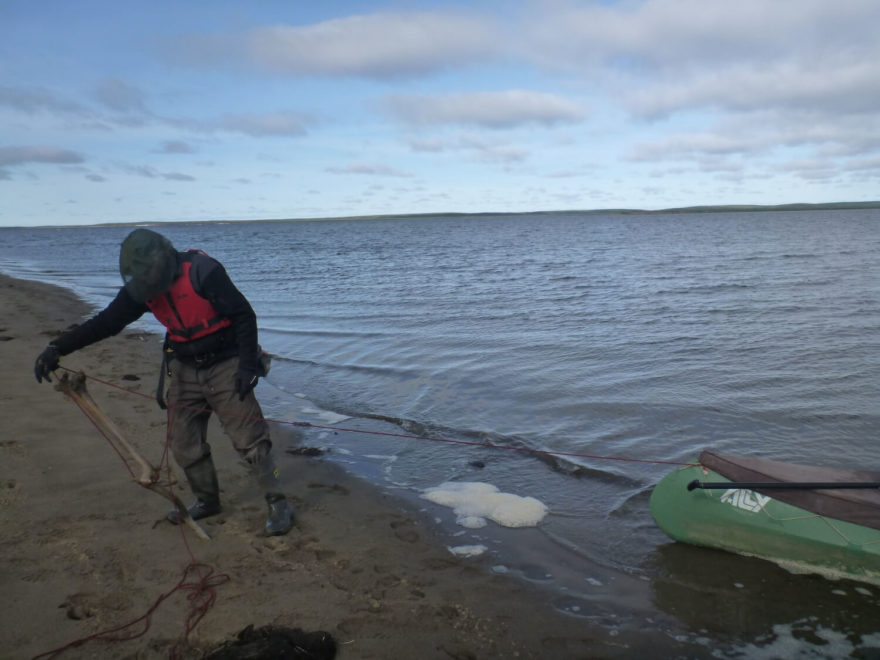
(184, 313)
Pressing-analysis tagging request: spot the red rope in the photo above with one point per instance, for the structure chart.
(201, 596)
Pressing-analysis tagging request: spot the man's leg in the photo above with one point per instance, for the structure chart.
(188, 414)
(243, 422)
(280, 517)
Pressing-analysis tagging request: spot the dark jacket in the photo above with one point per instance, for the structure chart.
(209, 279)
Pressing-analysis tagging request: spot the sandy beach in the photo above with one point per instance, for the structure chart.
(85, 549)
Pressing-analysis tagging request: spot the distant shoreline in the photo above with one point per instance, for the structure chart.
(728, 208)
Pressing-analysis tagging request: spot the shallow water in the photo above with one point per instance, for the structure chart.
(643, 338)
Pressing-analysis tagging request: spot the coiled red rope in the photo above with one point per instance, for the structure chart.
(200, 594)
(198, 580)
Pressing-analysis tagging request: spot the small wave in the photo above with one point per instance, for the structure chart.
(707, 289)
(354, 334)
(802, 255)
(562, 464)
(635, 499)
(571, 468)
(357, 368)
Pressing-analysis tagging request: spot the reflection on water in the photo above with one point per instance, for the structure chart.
(750, 607)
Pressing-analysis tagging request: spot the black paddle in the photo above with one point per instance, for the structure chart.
(802, 485)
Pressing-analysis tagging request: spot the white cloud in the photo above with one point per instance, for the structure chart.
(373, 169)
(566, 174)
(871, 165)
(177, 176)
(690, 145)
(378, 45)
(176, 147)
(769, 93)
(266, 125)
(130, 104)
(120, 97)
(749, 140)
(37, 154)
(475, 146)
(505, 109)
(149, 172)
(429, 145)
(34, 99)
(14, 156)
(670, 35)
(850, 87)
(662, 57)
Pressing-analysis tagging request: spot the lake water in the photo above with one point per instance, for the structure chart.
(608, 346)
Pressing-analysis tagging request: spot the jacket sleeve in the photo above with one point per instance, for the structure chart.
(210, 280)
(121, 311)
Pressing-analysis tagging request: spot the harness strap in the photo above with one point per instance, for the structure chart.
(186, 332)
(160, 389)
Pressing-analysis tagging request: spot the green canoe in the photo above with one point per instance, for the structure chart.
(806, 518)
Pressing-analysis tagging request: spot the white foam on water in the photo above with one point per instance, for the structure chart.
(473, 502)
(472, 522)
(325, 415)
(785, 643)
(468, 550)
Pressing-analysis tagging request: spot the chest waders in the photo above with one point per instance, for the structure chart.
(212, 342)
(202, 479)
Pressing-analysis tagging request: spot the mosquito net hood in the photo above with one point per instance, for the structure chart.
(148, 264)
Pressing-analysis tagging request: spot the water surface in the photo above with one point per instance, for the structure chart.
(592, 338)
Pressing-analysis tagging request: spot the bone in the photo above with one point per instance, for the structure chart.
(74, 387)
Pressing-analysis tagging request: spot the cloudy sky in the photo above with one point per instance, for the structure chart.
(116, 110)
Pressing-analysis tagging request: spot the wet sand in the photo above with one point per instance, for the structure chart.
(84, 549)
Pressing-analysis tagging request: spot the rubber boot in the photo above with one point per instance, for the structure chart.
(202, 478)
(280, 519)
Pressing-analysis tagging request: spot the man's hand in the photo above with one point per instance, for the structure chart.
(46, 363)
(245, 380)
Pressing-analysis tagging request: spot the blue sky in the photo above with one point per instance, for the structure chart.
(115, 110)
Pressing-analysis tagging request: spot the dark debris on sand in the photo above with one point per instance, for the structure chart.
(276, 642)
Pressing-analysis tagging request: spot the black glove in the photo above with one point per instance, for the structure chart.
(46, 363)
(246, 380)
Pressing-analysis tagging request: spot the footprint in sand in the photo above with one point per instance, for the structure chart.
(80, 606)
(10, 492)
(331, 488)
(14, 447)
(404, 530)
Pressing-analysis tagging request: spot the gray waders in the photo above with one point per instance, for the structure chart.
(280, 518)
(202, 480)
